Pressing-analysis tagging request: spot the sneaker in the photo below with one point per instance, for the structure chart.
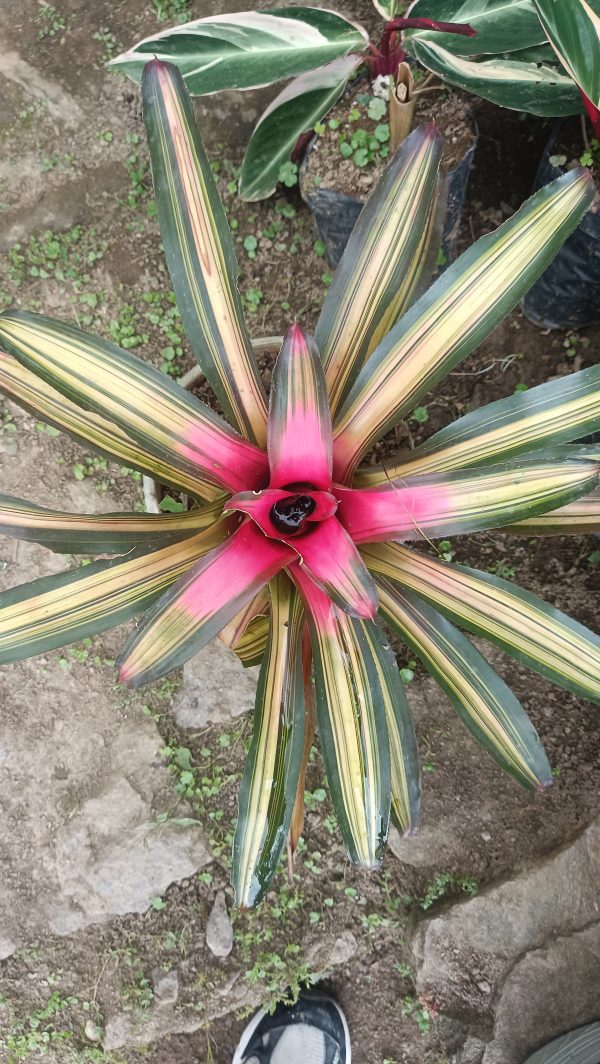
(313, 1031)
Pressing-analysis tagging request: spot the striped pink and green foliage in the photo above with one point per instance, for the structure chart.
(289, 549)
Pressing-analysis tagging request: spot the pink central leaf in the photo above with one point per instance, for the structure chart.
(300, 442)
(390, 511)
(197, 606)
(236, 462)
(329, 557)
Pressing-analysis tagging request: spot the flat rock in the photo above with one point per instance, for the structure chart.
(342, 951)
(472, 1052)
(60, 104)
(81, 776)
(324, 954)
(550, 991)
(525, 954)
(216, 688)
(80, 790)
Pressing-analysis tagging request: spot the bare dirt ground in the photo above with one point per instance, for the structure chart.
(116, 821)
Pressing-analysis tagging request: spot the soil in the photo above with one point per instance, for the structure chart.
(477, 826)
(326, 166)
(570, 147)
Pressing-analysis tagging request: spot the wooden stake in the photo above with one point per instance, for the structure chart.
(402, 105)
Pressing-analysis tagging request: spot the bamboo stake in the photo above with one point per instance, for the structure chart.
(402, 105)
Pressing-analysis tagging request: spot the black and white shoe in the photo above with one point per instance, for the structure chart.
(313, 1031)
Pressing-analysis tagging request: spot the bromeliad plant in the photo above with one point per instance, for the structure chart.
(541, 56)
(281, 500)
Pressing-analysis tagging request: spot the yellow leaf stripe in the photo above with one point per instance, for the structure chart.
(455, 315)
(385, 263)
(44, 402)
(350, 669)
(268, 788)
(404, 754)
(559, 410)
(251, 646)
(344, 685)
(258, 607)
(199, 250)
(25, 520)
(525, 626)
(51, 612)
(482, 699)
(575, 519)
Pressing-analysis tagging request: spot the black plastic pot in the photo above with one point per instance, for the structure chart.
(335, 213)
(567, 295)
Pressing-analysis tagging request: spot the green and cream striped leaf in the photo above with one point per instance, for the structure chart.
(387, 8)
(540, 89)
(457, 313)
(294, 111)
(270, 780)
(38, 398)
(481, 698)
(578, 518)
(251, 646)
(247, 633)
(199, 251)
(556, 412)
(247, 49)
(500, 25)
(404, 754)
(111, 533)
(387, 263)
(573, 29)
(144, 403)
(526, 627)
(60, 609)
(355, 678)
(310, 727)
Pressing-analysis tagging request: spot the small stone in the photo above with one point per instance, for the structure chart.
(93, 1033)
(219, 932)
(343, 949)
(165, 986)
(472, 1052)
(484, 986)
(485, 835)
